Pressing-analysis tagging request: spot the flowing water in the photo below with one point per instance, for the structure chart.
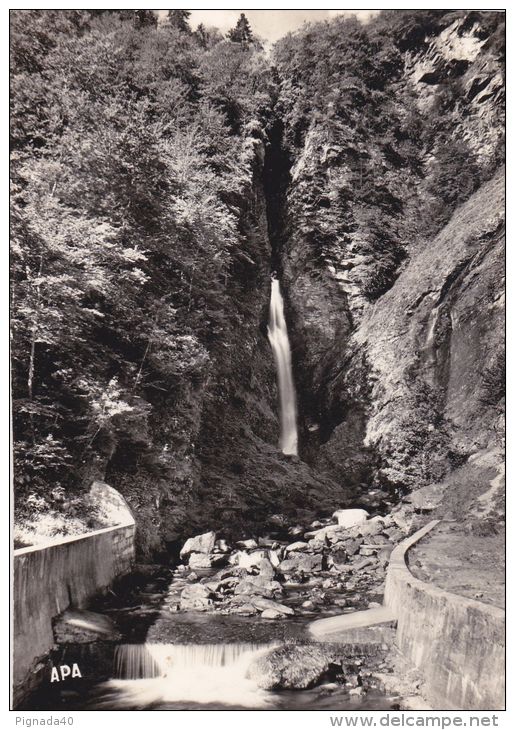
(185, 661)
(278, 336)
(203, 674)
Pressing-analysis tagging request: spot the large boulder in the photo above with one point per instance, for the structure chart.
(295, 667)
(195, 597)
(350, 517)
(199, 561)
(204, 543)
(109, 505)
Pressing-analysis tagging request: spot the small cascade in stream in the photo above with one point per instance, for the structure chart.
(278, 336)
(198, 673)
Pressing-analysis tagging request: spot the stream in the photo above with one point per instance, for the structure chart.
(174, 660)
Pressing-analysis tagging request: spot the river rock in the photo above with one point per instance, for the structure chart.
(222, 546)
(394, 533)
(275, 557)
(296, 547)
(332, 532)
(350, 517)
(301, 564)
(258, 585)
(294, 667)
(337, 558)
(233, 571)
(266, 569)
(368, 550)
(215, 585)
(245, 609)
(316, 546)
(295, 531)
(199, 561)
(195, 597)
(371, 529)
(247, 544)
(271, 613)
(308, 605)
(263, 603)
(352, 546)
(204, 543)
(248, 560)
(362, 564)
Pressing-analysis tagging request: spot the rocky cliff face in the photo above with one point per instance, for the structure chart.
(396, 313)
(378, 203)
(434, 346)
(218, 435)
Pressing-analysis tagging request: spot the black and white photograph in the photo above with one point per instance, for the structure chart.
(257, 364)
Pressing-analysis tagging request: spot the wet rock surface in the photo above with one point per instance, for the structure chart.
(298, 667)
(333, 565)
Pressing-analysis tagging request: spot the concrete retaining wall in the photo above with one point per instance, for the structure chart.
(455, 642)
(49, 579)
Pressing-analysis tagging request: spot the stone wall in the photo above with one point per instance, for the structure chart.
(48, 579)
(456, 643)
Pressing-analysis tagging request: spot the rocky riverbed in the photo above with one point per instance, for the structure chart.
(236, 617)
(332, 565)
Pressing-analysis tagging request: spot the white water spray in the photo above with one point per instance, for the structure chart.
(278, 336)
(198, 673)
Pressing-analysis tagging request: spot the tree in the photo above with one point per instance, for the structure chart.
(242, 32)
(179, 19)
(208, 37)
(146, 18)
(128, 189)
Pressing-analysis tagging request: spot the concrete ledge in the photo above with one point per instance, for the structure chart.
(52, 577)
(456, 643)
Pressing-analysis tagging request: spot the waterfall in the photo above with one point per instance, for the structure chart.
(278, 336)
(199, 673)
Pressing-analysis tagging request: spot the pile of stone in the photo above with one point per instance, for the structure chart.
(324, 566)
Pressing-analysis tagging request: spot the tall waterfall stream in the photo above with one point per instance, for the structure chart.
(278, 336)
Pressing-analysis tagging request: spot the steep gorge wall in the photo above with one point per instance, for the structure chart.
(398, 333)
(225, 470)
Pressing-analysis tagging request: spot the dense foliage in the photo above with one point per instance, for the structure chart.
(133, 150)
(379, 161)
(137, 217)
